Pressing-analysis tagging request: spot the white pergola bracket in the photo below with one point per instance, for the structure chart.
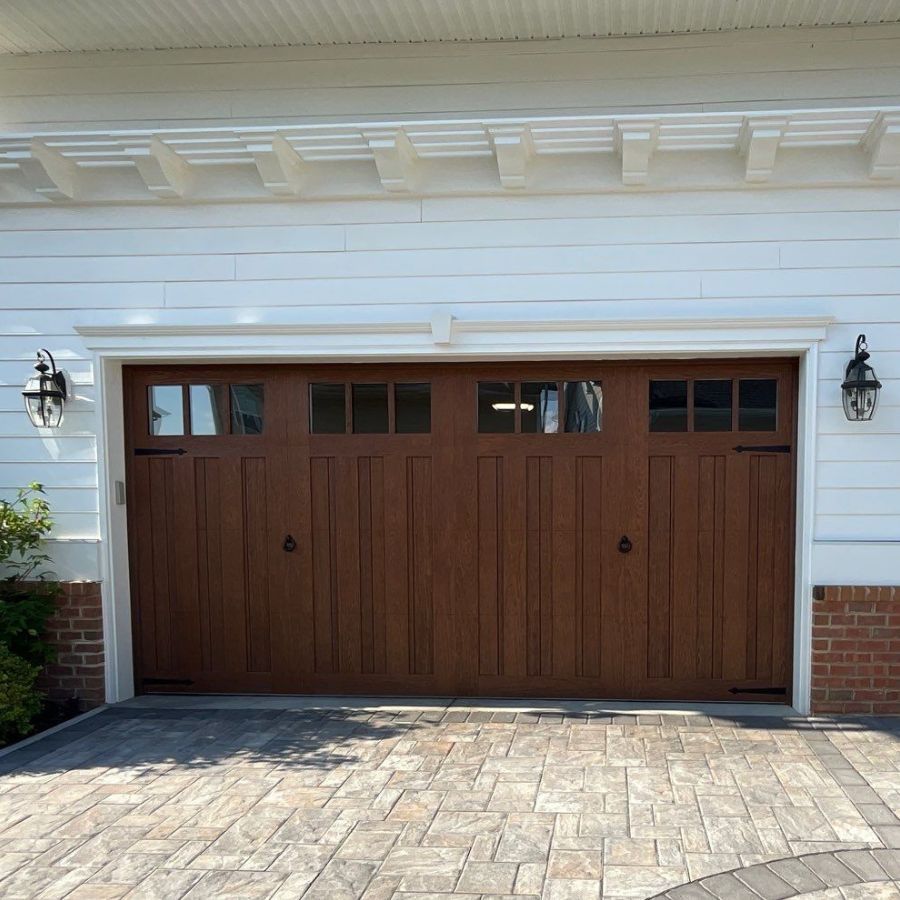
(50, 173)
(758, 144)
(164, 171)
(395, 158)
(882, 142)
(635, 142)
(282, 170)
(514, 149)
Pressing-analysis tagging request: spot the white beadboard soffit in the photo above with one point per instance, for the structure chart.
(37, 26)
(446, 156)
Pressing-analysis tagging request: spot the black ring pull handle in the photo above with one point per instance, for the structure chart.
(289, 545)
(625, 544)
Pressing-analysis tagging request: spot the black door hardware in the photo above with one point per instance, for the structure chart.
(289, 545)
(763, 448)
(181, 681)
(625, 544)
(159, 451)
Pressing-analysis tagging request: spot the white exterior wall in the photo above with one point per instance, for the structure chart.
(639, 253)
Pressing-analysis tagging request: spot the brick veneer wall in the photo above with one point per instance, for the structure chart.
(77, 633)
(856, 650)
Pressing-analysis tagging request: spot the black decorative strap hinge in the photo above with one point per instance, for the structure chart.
(763, 448)
(159, 451)
(775, 691)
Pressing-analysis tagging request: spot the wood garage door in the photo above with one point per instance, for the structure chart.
(615, 530)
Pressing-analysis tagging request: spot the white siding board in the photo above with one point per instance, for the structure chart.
(59, 475)
(837, 502)
(860, 528)
(133, 242)
(682, 229)
(48, 449)
(509, 261)
(509, 288)
(80, 295)
(117, 268)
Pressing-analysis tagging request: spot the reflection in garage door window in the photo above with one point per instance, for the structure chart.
(209, 408)
(166, 409)
(246, 408)
(496, 407)
(584, 406)
(540, 407)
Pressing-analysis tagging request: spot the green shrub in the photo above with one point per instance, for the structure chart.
(19, 701)
(27, 593)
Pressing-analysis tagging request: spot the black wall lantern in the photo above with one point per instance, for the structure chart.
(860, 386)
(45, 393)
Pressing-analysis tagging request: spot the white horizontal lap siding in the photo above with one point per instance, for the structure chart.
(319, 84)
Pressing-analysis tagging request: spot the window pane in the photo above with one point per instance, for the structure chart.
(757, 409)
(370, 409)
(668, 406)
(412, 408)
(326, 409)
(712, 405)
(496, 407)
(540, 407)
(247, 408)
(166, 409)
(584, 406)
(209, 408)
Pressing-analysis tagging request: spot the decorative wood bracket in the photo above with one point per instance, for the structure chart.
(635, 142)
(758, 144)
(165, 173)
(882, 142)
(282, 170)
(513, 148)
(51, 174)
(395, 158)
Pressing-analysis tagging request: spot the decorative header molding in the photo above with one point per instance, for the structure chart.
(446, 336)
(449, 156)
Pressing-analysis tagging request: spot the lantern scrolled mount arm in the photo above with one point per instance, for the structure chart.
(46, 393)
(860, 387)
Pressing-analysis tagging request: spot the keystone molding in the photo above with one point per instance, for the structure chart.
(672, 151)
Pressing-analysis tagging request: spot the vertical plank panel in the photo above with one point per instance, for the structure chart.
(397, 638)
(141, 544)
(321, 477)
(513, 549)
(256, 565)
(346, 527)
(566, 629)
(589, 479)
(659, 567)
(766, 584)
(753, 536)
(489, 499)
(737, 539)
(421, 523)
(234, 585)
(186, 617)
(685, 531)
(160, 537)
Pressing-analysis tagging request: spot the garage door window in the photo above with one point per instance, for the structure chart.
(374, 408)
(207, 409)
(705, 405)
(540, 407)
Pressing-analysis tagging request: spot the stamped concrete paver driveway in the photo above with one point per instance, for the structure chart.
(338, 804)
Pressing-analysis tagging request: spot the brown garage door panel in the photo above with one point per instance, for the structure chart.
(595, 530)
